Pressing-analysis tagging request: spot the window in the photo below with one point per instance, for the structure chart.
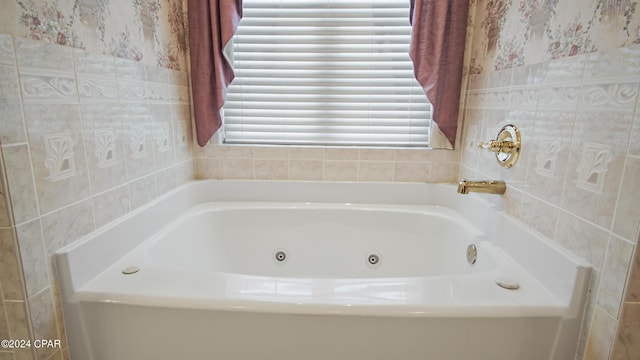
(325, 72)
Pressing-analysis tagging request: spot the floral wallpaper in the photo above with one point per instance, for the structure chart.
(150, 31)
(522, 32)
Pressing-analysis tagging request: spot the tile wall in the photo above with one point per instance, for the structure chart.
(627, 343)
(577, 179)
(325, 164)
(85, 139)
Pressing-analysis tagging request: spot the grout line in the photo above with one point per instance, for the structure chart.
(18, 144)
(86, 157)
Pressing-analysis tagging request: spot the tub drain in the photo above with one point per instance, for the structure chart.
(280, 255)
(373, 259)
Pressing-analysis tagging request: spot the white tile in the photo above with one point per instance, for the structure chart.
(549, 149)
(184, 172)
(42, 55)
(111, 205)
(156, 73)
(33, 257)
(96, 89)
(156, 92)
(105, 144)
(539, 215)
(131, 91)
(142, 191)
(65, 226)
(58, 155)
(596, 164)
(565, 70)
(128, 69)
(162, 144)
(583, 239)
(182, 133)
(523, 99)
(11, 276)
(500, 78)
(20, 183)
(619, 62)
(48, 88)
(614, 274)
(498, 99)
(614, 96)
(166, 180)
(12, 130)
(93, 64)
(7, 55)
(43, 319)
(564, 98)
(137, 128)
(627, 218)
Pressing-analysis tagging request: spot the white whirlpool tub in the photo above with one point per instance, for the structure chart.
(300, 270)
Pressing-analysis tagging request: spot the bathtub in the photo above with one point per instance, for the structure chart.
(303, 270)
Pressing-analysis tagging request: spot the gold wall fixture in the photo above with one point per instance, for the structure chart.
(506, 145)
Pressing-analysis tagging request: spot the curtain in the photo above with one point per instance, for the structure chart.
(212, 23)
(437, 51)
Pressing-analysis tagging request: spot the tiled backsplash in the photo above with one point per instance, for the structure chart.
(85, 139)
(577, 179)
(325, 164)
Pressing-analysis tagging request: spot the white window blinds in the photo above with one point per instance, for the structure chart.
(325, 72)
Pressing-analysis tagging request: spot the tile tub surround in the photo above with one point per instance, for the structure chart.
(577, 177)
(86, 139)
(325, 164)
(627, 342)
